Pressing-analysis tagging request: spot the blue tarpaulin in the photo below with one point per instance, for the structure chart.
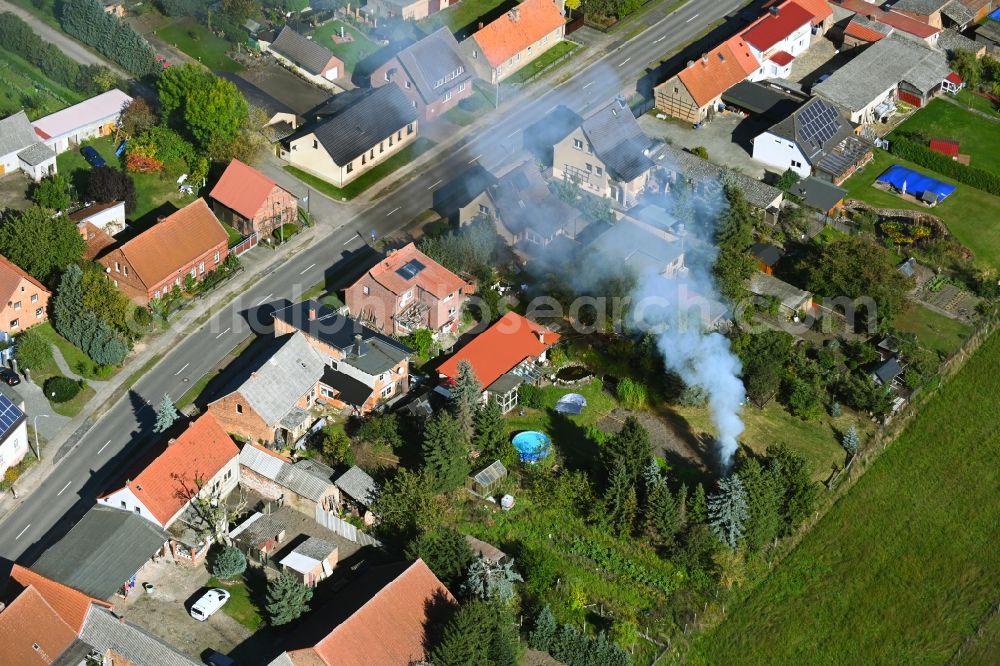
(995, 15)
(915, 183)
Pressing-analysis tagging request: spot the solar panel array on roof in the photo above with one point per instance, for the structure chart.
(819, 123)
(409, 270)
(10, 415)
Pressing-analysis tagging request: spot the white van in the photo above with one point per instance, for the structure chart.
(209, 602)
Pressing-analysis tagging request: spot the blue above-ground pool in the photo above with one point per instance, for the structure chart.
(531, 445)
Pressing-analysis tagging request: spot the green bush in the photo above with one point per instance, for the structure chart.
(289, 231)
(631, 394)
(529, 395)
(61, 389)
(908, 149)
(32, 350)
(229, 564)
(14, 472)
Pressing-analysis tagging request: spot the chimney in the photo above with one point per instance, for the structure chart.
(775, 10)
(312, 310)
(515, 13)
(704, 57)
(481, 25)
(357, 344)
(690, 64)
(172, 440)
(541, 335)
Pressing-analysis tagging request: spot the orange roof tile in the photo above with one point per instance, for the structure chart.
(98, 240)
(31, 631)
(242, 188)
(10, 278)
(862, 32)
(499, 349)
(166, 484)
(433, 277)
(387, 629)
(820, 9)
(170, 245)
(71, 604)
(718, 70)
(506, 36)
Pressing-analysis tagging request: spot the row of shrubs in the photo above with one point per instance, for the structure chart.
(907, 148)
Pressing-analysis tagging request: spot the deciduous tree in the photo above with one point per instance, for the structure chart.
(109, 184)
(52, 192)
(40, 244)
(405, 504)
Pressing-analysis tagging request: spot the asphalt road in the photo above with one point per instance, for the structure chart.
(83, 474)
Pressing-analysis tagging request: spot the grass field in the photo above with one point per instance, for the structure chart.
(942, 120)
(977, 102)
(461, 117)
(350, 52)
(934, 331)
(540, 63)
(240, 606)
(461, 15)
(969, 213)
(367, 179)
(24, 86)
(195, 40)
(904, 566)
(78, 362)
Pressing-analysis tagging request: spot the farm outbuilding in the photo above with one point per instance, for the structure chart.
(488, 479)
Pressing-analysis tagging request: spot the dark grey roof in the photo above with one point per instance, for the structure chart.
(375, 116)
(300, 481)
(304, 52)
(758, 194)
(257, 97)
(459, 192)
(279, 380)
(523, 201)
(766, 253)
(825, 136)
(379, 353)
(958, 13)
(16, 133)
(505, 383)
(818, 193)
(762, 99)
(922, 7)
(952, 41)
(358, 485)
(102, 551)
(433, 59)
(315, 467)
(350, 391)
(35, 154)
(990, 31)
(74, 655)
(316, 548)
(618, 140)
(257, 529)
(643, 248)
(105, 631)
(791, 297)
(887, 371)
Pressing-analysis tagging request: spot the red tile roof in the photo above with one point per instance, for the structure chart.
(433, 277)
(71, 604)
(168, 246)
(31, 632)
(820, 9)
(718, 70)
(862, 32)
(507, 36)
(10, 279)
(890, 18)
(389, 629)
(781, 58)
(954, 78)
(770, 29)
(166, 484)
(242, 188)
(945, 147)
(498, 349)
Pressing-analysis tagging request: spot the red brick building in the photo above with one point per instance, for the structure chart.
(251, 202)
(432, 73)
(23, 299)
(189, 242)
(406, 291)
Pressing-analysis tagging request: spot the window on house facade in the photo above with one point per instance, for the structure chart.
(578, 144)
(364, 160)
(125, 271)
(138, 509)
(201, 267)
(408, 85)
(590, 167)
(600, 171)
(365, 290)
(217, 256)
(156, 294)
(38, 312)
(413, 104)
(409, 130)
(17, 305)
(14, 323)
(475, 54)
(387, 391)
(447, 96)
(796, 164)
(407, 295)
(34, 298)
(194, 272)
(381, 147)
(390, 141)
(461, 87)
(484, 210)
(315, 143)
(124, 505)
(350, 167)
(239, 408)
(118, 268)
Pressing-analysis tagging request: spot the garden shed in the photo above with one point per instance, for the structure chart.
(486, 480)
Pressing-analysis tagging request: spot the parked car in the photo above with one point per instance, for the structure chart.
(218, 659)
(209, 603)
(9, 377)
(93, 157)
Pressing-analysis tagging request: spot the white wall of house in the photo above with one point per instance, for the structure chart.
(14, 448)
(795, 43)
(780, 153)
(11, 163)
(102, 127)
(111, 219)
(308, 153)
(125, 499)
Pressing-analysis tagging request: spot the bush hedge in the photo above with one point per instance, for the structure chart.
(61, 389)
(906, 148)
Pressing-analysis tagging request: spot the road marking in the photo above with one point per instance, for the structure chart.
(182, 369)
(556, 106)
(63, 488)
(474, 159)
(261, 302)
(21, 533)
(350, 240)
(223, 333)
(691, 19)
(513, 133)
(657, 41)
(588, 85)
(436, 183)
(104, 447)
(624, 61)
(392, 211)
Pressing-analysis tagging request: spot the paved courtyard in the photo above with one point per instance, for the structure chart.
(728, 139)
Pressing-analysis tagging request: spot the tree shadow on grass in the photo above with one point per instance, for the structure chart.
(578, 449)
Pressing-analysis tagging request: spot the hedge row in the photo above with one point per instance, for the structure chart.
(112, 37)
(918, 153)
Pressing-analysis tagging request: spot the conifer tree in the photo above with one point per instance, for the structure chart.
(166, 415)
(544, 631)
(620, 500)
(466, 638)
(662, 512)
(727, 511)
(851, 440)
(466, 396)
(764, 494)
(698, 509)
(631, 447)
(490, 581)
(446, 457)
(287, 599)
(492, 439)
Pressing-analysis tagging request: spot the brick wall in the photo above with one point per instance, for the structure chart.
(247, 424)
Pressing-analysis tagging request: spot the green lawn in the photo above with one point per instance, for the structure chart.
(459, 16)
(24, 86)
(234, 235)
(350, 52)
(462, 117)
(367, 179)
(240, 606)
(541, 62)
(78, 362)
(969, 213)
(195, 40)
(942, 120)
(934, 331)
(904, 566)
(977, 102)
